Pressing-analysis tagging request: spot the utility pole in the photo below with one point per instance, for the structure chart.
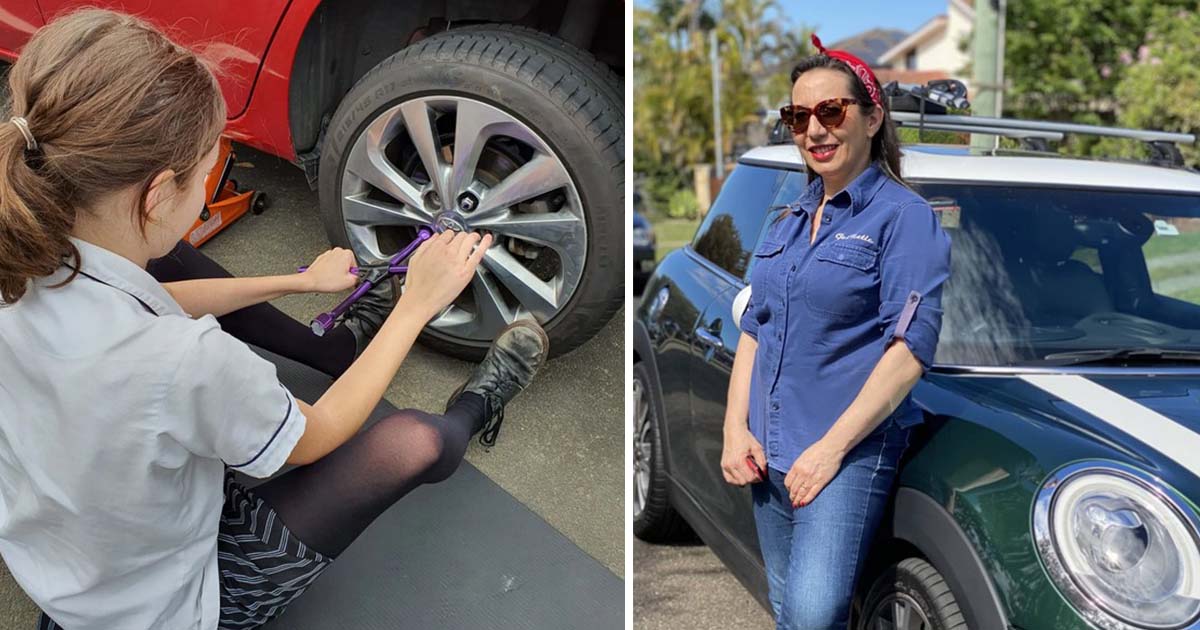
(988, 81)
(718, 150)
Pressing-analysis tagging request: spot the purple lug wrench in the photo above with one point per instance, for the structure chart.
(372, 276)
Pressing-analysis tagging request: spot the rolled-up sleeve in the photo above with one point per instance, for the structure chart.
(915, 263)
(749, 320)
(227, 403)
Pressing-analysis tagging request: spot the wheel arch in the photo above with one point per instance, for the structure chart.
(321, 76)
(921, 524)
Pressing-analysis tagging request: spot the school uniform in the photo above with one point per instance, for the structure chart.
(120, 419)
(823, 315)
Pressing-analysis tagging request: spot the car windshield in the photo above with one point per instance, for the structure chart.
(1053, 276)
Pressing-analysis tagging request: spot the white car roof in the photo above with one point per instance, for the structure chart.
(935, 163)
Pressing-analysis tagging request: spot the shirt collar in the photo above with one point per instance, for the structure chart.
(859, 192)
(121, 273)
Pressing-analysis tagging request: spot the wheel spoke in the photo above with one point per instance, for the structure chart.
(360, 210)
(492, 312)
(368, 163)
(539, 297)
(553, 229)
(537, 176)
(474, 124)
(900, 615)
(419, 122)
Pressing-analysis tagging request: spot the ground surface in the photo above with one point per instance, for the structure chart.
(560, 451)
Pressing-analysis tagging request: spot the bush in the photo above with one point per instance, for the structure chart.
(683, 205)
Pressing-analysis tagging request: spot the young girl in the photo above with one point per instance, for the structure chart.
(124, 405)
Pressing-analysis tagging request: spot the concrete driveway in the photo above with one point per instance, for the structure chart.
(560, 452)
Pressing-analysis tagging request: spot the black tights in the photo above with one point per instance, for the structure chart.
(261, 325)
(328, 503)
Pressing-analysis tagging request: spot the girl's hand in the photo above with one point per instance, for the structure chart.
(442, 267)
(330, 272)
(740, 443)
(811, 472)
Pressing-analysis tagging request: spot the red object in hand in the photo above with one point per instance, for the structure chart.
(754, 468)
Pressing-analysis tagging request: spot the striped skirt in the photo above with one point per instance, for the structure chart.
(263, 566)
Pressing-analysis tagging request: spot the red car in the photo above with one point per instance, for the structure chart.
(505, 117)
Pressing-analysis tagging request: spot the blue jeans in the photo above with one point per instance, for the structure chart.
(814, 554)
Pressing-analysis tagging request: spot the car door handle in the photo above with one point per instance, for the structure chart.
(709, 339)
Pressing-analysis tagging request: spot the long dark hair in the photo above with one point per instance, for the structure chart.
(885, 145)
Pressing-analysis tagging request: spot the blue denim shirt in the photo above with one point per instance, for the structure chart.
(824, 313)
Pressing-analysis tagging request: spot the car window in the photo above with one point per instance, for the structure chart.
(794, 184)
(731, 229)
(1036, 272)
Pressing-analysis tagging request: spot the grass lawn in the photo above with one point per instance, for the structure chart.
(673, 234)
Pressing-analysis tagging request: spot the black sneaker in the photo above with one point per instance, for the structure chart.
(366, 315)
(515, 356)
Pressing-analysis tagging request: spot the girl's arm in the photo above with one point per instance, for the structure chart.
(329, 273)
(437, 273)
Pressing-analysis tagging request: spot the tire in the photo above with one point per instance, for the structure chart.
(573, 108)
(656, 521)
(914, 584)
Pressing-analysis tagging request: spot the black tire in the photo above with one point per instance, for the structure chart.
(259, 202)
(915, 583)
(575, 103)
(658, 522)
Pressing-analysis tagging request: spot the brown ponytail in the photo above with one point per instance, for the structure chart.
(111, 102)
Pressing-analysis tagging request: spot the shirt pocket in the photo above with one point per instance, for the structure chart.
(842, 282)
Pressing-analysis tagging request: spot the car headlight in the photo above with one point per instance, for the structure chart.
(643, 236)
(1120, 545)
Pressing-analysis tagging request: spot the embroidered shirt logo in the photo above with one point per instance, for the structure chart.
(857, 237)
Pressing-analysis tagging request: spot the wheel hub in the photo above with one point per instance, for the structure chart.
(450, 220)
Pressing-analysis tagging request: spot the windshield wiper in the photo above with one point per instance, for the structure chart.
(1110, 355)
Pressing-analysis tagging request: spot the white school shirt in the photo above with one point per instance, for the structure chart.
(118, 415)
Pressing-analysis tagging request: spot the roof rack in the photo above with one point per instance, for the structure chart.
(925, 106)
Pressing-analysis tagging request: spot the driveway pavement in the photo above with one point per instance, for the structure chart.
(561, 451)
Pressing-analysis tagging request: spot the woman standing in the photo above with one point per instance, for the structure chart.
(819, 395)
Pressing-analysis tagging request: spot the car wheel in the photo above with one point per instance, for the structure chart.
(911, 595)
(654, 520)
(495, 129)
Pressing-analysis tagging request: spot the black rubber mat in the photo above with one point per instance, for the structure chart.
(460, 554)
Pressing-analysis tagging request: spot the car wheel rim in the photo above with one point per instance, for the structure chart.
(898, 611)
(642, 450)
(454, 163)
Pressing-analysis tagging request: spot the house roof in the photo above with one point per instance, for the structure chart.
(934, 27)
(919, 77)
(868, 45)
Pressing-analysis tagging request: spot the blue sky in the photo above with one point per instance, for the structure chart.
(860, 15)
(836, 19)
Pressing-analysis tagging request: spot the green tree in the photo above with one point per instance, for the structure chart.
(672, 117)
(1161, 88)
(1064, 60)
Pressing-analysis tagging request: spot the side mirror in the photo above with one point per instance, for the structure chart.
(740, 302)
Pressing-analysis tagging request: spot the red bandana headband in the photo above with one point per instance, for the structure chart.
(860, 68)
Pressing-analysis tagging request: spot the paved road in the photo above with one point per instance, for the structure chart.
(688, 587)
(560, 452)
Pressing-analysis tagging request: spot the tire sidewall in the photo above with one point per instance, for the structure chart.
(658, 503)
(394, 82)
(899, 579)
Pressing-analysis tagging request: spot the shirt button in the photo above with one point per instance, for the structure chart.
(793, 268)
(775, 406)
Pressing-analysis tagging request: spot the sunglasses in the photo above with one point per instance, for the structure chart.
(830, 113)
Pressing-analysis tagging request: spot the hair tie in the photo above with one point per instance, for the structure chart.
(858, 66)
(23, 125)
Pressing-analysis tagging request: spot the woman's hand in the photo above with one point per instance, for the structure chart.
(442, 267)
(812, 471)
(740, 443)
(330, 272)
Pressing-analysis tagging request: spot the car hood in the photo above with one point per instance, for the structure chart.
(1154, 419)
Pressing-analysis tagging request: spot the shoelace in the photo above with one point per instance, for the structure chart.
(491, 426)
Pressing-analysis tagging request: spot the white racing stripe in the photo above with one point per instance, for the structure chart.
(1156, 430)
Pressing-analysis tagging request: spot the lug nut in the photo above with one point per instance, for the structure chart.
(467, 202)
